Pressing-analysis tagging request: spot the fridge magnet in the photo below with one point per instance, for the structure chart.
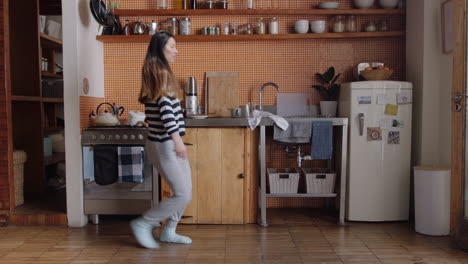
(391, 109)
(398, 123)
(382, 99)
(404, 98)
(386, 123)
(364, 99)
(394, 137)
(374, 133)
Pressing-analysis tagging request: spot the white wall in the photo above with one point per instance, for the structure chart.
(431, 73)
(83, 57)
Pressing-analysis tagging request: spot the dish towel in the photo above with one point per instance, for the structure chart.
(105, 164)
(131, 164)
(322, 140)
(258, 115)
(298, 131)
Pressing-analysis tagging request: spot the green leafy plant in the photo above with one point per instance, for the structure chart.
(329, 90)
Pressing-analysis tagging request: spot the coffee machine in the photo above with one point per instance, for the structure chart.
(191, 99)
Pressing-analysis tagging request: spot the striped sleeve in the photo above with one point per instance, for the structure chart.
(168, 115)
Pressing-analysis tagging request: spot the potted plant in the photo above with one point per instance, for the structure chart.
(329, 91)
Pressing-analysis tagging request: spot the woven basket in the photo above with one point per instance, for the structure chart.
(19, 158)
(376, 75)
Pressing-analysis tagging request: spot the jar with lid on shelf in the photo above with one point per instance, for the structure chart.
(338, 24)
(260, 26)
(172, 26)
(350, 24)
(184, 26)
(273, 26)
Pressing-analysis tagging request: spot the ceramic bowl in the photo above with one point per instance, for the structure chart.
(388, 4)
(301, 26)
(363, 4)
(329, 5)
(317, 26)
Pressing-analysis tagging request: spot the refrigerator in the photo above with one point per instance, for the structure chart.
(379, 149)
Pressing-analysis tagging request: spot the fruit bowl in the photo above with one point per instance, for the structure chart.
(376, 74)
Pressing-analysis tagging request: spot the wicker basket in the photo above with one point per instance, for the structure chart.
(376, 75)
(283, 180)
(19, 158)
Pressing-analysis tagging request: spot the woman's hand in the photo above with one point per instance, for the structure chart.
(180, 149)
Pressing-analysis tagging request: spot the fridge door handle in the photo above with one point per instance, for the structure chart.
(361, 124)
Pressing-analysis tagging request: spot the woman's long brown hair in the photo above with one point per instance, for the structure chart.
(157, 78)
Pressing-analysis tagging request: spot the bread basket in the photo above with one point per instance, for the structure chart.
(375, 75)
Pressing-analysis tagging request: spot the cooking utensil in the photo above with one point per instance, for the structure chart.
(106, 118)
(93, 6)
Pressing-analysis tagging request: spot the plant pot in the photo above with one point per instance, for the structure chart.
(328, 108)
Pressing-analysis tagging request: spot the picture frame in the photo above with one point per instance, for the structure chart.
(447, 25)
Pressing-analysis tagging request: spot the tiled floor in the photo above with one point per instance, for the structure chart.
(294, 236)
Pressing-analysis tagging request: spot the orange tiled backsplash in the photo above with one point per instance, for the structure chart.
(289, 63)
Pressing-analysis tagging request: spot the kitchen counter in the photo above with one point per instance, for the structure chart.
(267, 122)
(242, 122)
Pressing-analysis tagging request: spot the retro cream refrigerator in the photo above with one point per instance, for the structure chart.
(379, 169)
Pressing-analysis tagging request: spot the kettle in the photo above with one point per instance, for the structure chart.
(135, 118)
(140, 28)
(106, 118)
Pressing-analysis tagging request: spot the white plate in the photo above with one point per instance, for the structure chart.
(198, 117)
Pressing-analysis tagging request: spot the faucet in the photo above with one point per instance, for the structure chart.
(260, 93)
(301, 157)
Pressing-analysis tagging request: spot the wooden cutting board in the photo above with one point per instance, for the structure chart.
(222, 93)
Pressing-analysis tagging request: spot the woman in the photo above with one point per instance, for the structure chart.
(164, 146)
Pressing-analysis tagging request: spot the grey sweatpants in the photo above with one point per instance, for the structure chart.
(176, 171)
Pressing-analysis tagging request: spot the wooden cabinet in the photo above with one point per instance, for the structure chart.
(33, 115)
(224, 176)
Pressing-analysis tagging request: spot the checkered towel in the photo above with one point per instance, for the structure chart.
(131, 164)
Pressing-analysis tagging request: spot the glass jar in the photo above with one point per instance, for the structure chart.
(273, 26)
(233, 29)
(249, 4)
(370, 27)
(209, 4)
(223, 4)
(226, 28)
(184, 26)
(260, 26)
(338, 24)
(172, 26)
(383, 25)
(162, 4)
(350, 24)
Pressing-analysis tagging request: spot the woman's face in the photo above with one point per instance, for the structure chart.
(170, 50)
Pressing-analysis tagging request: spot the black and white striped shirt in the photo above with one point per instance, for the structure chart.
(164, 117)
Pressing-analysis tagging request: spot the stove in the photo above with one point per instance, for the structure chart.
(113, 135)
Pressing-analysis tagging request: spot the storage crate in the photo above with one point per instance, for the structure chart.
(19, 158)
(52, 88)
(283, 180)
(319, 180)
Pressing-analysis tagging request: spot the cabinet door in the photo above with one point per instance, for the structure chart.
(190, 213)
(232, 180)
(209, 172)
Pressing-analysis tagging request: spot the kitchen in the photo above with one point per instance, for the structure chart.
(113, 74)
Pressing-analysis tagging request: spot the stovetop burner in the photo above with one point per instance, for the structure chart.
(116, 127)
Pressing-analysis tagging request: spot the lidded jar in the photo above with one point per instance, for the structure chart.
(260, 26)
(338, 24)
(273, 26)
(172, 26)
(350, 24)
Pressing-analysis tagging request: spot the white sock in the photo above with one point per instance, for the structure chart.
(169, 235)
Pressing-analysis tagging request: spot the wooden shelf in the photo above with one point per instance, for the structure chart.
(253, 37)
(25, 98)
(52, 100)
(54, 159)
(51, 75)
(242, 12)
(50, 42)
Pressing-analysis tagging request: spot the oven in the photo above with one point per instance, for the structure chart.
(122, 197)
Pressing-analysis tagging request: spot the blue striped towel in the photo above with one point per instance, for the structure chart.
(322, 140)
(131, 164)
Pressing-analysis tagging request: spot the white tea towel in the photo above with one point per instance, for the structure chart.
(258, 115)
